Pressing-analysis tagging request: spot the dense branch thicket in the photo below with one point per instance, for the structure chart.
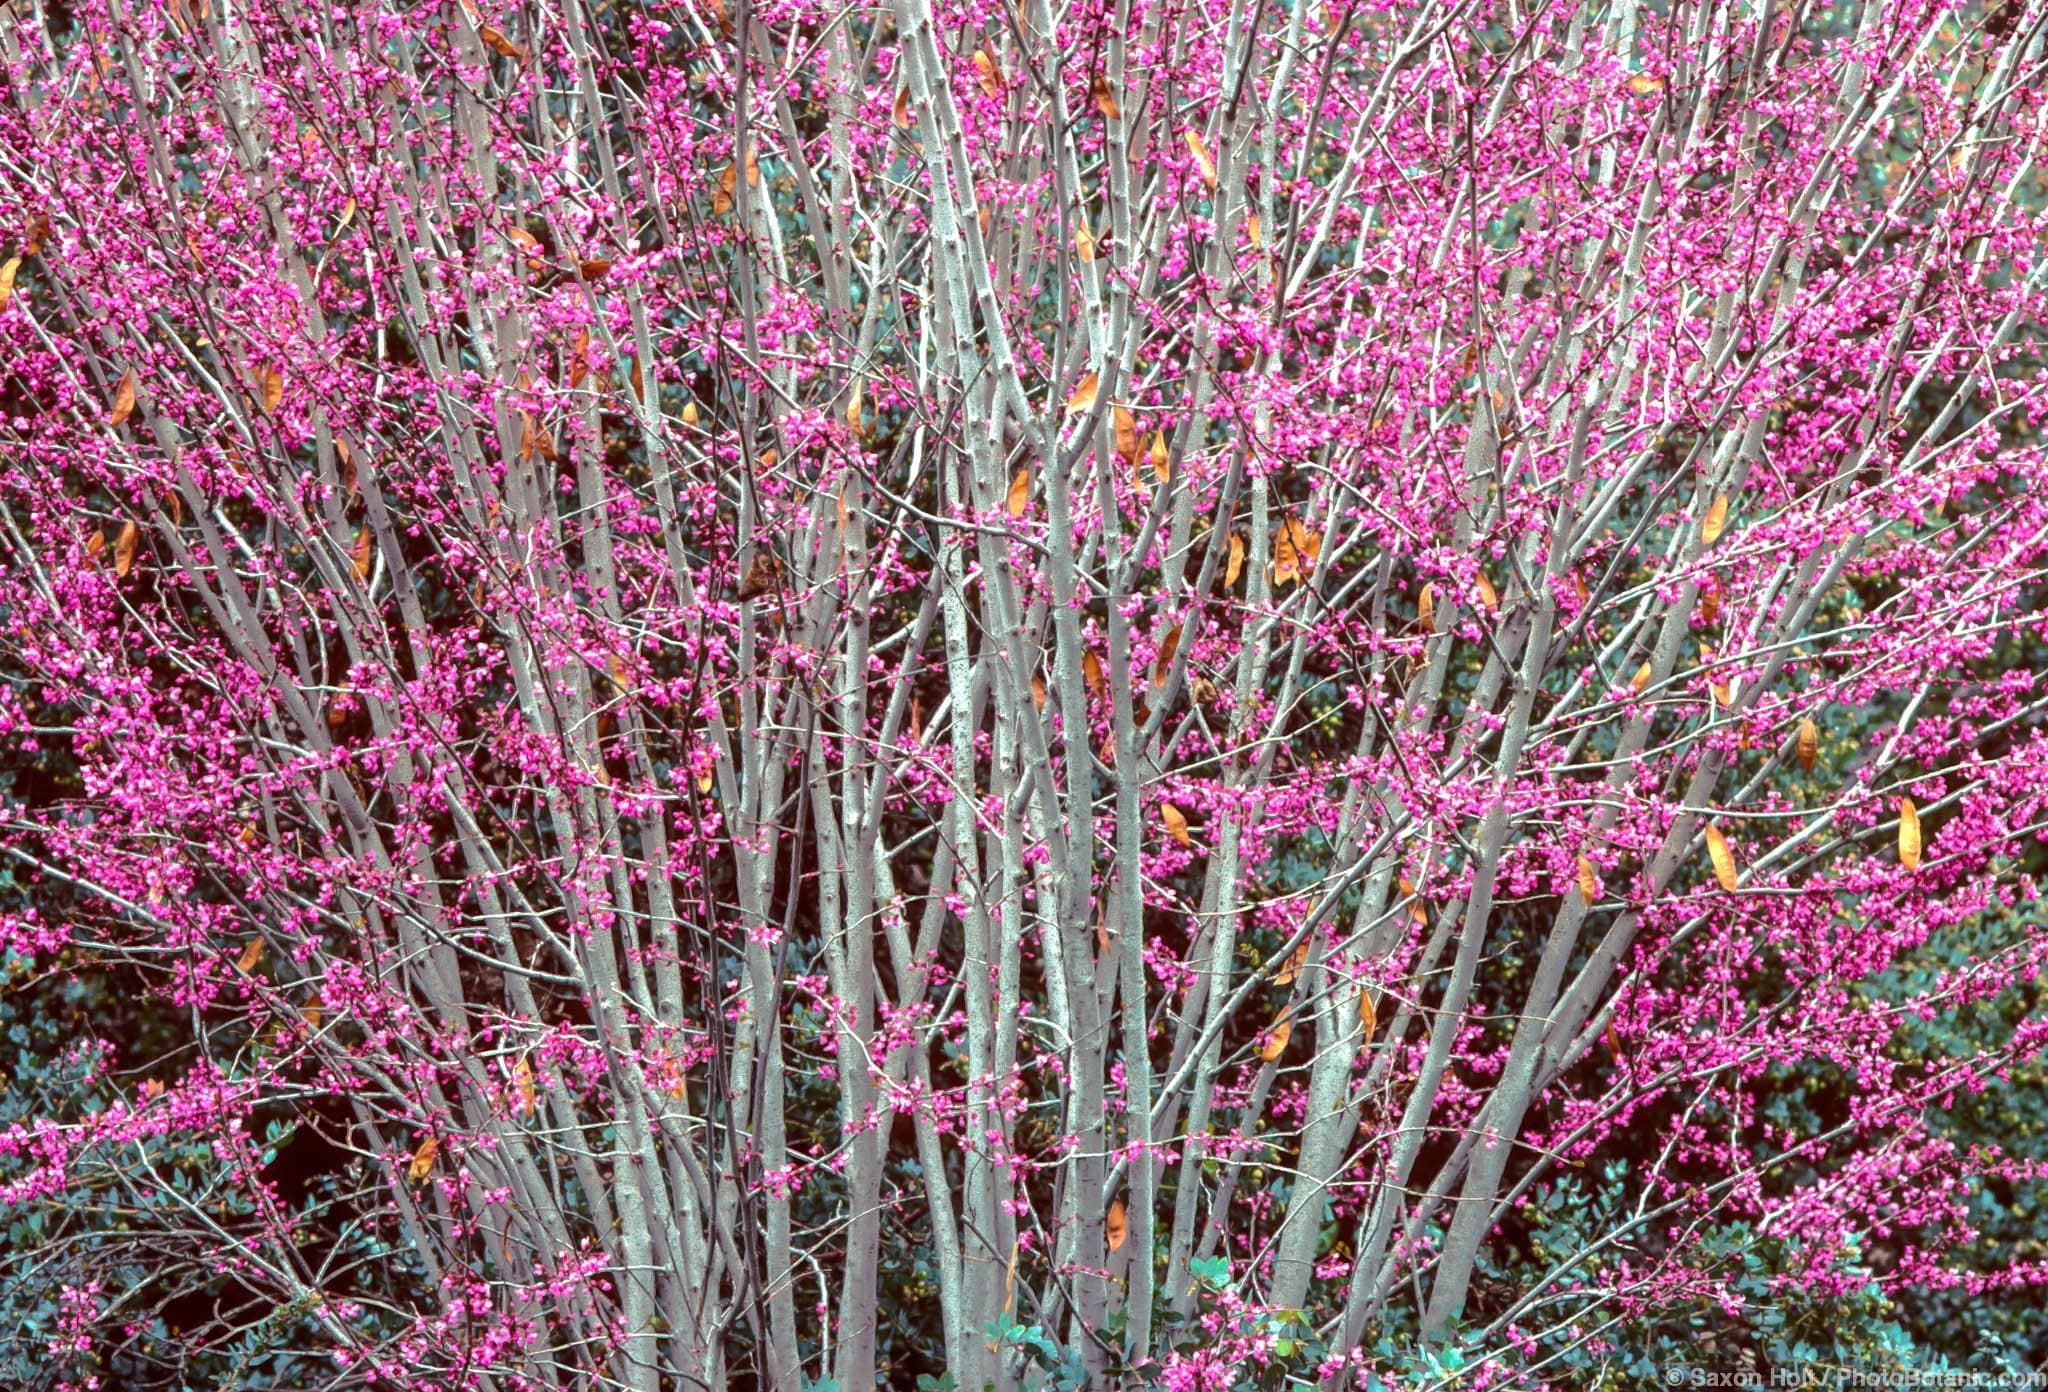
(723, 694)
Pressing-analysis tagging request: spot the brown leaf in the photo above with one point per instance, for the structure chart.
(579, 359)
(1176, 823)
(1235, 563)
(1909, 834)
(1203, 163)
(7, 274)
(1115, 1226)
(124, 549)
(1641, 679)
(1295, 548)
(359, 555)
(1252, 229)
(1126, 432)
(1425, 608)
(1083, 398)
(899, 112)
(1105, 98)
(1417, 910)
(1487, 595)
(252, 955)
(38, 234)
(1275, 1042)
(1020, 493)
(856, 404)
(1809, 744)
(1642, 84)
(310, 1013)
(270, 387)
(1162, 463)
(1716, 521)
(1084, 241)
(423, 1160)
(762, 575)
(1589, 881)
(1721, 690)
(1091, 672)
(522, 1086)
(1723, 858)
(991, 73)
(124, 399)
(1291, 969)
(596, 268)
(1038, 691)
(495, 40)
(1163, 663)
(721, 200)
(95, 546)
(1368, 1017)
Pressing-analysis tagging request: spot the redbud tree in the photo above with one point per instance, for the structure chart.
(1031, 694)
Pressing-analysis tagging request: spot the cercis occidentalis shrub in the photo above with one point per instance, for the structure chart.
(1098, 686)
